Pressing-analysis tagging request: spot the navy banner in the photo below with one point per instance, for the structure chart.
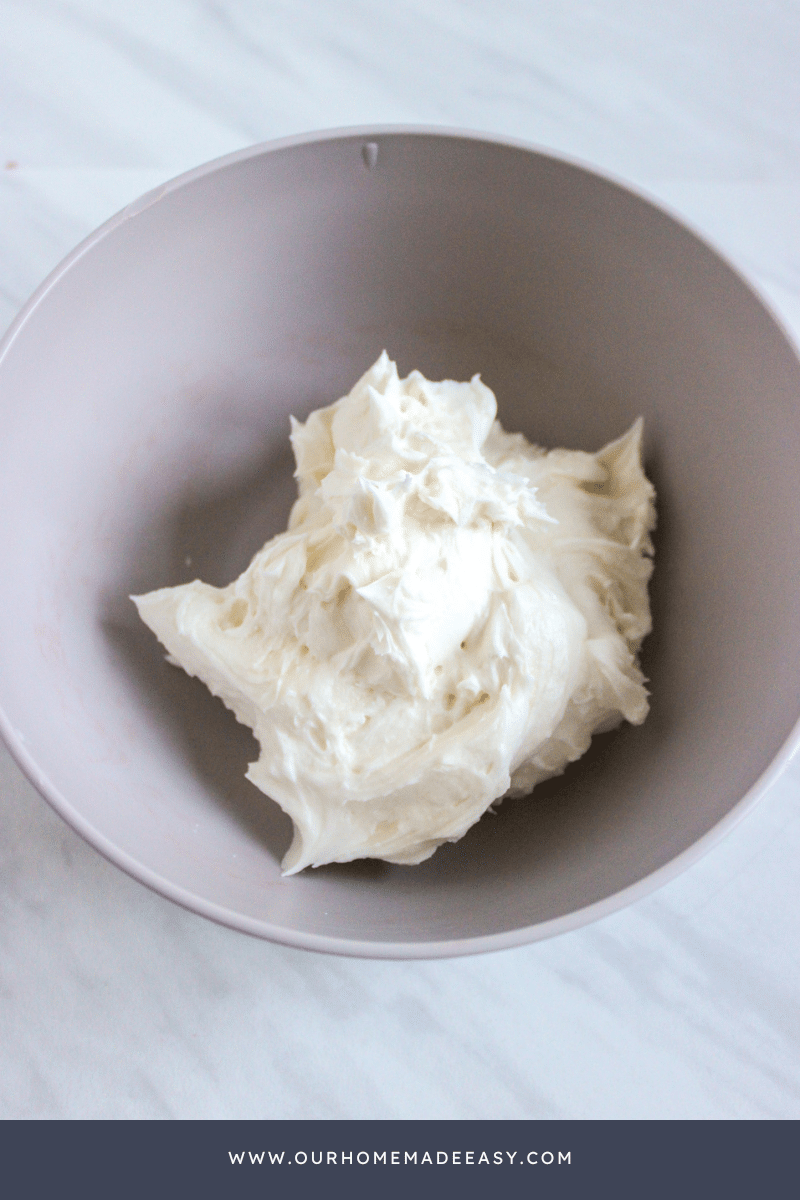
(398, 1158)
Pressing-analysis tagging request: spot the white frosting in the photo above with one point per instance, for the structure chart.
(450, 615)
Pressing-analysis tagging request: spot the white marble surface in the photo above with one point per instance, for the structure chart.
(115, 1003)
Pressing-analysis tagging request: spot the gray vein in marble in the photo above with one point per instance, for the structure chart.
(667, 88)
(218, 98)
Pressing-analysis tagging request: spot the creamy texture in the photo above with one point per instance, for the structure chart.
(450, 616)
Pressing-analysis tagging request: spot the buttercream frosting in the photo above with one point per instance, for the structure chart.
(449, 617)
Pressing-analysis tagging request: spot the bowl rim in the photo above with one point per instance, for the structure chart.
(360, 948)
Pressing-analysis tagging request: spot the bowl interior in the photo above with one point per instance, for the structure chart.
(146, 396)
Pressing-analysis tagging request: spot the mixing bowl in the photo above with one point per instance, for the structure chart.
(145, 394)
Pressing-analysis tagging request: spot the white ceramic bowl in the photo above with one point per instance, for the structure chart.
(145, 394)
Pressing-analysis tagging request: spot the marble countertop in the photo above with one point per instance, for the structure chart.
(115, 1003)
